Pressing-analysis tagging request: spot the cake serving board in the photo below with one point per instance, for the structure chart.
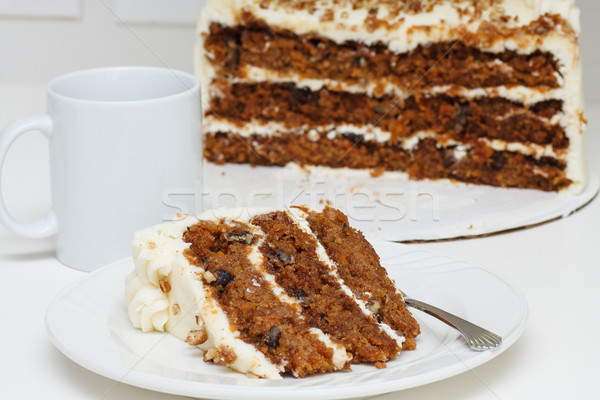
(391, 206)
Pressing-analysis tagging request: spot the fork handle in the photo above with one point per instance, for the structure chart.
(467, 329)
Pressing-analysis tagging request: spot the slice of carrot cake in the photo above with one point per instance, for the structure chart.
(295, 292)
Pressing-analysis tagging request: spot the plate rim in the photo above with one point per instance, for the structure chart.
(177, 386)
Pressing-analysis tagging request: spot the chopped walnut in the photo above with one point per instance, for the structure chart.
(196, 337)
(220, 356)
(245, 238)
(273, 336)
(165, 286)
(379, 109)
(211, 354)
(302, 297)
(373, 305)
(209, 277)
(227, 356)
(284, 256)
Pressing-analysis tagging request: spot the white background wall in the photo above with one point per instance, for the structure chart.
(76, 34)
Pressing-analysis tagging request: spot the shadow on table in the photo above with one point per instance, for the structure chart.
(19, 249)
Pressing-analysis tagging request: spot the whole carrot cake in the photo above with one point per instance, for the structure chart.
(479, 91)
(295, 292)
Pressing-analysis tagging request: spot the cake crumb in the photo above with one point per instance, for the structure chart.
(196, 337)
(380, 365)
(377, 172)
(227, 356)
(211, 354)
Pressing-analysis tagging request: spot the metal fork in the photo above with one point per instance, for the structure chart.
(477, 338)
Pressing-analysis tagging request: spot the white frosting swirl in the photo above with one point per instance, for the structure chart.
(147, 305)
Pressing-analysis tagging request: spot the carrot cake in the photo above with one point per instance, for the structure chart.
(295, 292)
(479, 91)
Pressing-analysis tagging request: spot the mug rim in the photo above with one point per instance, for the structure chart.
(51, 88)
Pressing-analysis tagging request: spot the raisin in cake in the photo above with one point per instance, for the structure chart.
(294, 292)
(479, 91)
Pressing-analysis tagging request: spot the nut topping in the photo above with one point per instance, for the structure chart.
(284, 256)
(244, 238)
(175, 309)
(165, 286)
(273, 337)
(209, 277)
(196, 338)
(373, 305)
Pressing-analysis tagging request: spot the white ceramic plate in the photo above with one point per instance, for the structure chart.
(88, 322)
(391, 207)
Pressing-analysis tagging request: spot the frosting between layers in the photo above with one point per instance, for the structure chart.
(378, 88)
(369, 133)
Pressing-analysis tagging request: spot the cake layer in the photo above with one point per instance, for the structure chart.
(456, 118)
(231, 49)
(260, 293)
(426, 159)
(380, 87)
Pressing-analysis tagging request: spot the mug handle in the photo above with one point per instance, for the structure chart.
(48, 225)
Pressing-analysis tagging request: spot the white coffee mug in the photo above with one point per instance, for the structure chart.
(121, 140)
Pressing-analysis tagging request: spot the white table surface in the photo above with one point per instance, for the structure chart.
(556, 265)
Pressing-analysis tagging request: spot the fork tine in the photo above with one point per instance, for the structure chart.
(478, 338)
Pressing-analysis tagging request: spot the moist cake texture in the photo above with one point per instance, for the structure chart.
(267, 293)
(480, 91)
